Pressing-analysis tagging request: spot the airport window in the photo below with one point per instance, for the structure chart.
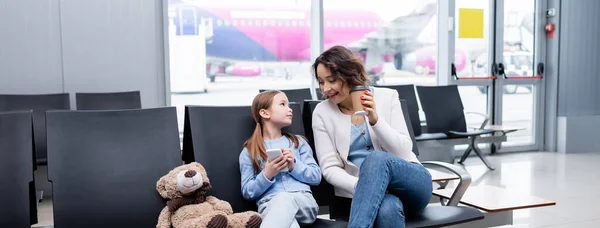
(408, 60)
(221, 67)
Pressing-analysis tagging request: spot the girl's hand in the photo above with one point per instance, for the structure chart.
(273, 167)
(289, 155)
(367, 101)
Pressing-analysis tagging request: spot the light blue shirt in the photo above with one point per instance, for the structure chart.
(305, 173)
(360, 144)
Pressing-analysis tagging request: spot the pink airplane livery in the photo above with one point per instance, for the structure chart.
(243, 37)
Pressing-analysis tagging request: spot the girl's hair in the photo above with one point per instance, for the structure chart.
(344, 65)
(254, 144)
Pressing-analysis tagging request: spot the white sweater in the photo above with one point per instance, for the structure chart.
(332, 138)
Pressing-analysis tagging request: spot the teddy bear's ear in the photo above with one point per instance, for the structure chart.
(197, 165)
(161, 187)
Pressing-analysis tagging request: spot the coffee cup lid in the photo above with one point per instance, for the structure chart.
(358, 88)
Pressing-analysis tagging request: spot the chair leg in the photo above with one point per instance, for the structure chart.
(480, 154)
(465, 154)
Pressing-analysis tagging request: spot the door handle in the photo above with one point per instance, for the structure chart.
(501, 70)
(453, 71)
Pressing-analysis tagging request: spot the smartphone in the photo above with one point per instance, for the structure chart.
(272, 154)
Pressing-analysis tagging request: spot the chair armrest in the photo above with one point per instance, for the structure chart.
(463, 183)
(485, 121)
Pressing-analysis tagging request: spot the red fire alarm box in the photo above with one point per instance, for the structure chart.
(550, 30)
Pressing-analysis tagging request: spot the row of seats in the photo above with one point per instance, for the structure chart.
(205, 141)
(103, 165)
(40, 103)
(444, 117)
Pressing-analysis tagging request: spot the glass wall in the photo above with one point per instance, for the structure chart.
(223, 52)
(397, 44)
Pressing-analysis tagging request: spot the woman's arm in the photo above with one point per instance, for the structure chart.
(393, 133)
(253, 185)
(306, 169)
(329, 159)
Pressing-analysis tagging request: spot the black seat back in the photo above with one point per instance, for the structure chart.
(16, 170)
(443, 108)
(323, 192)
(104, 165)
(39, 103)
(108, 101)
(408, 121)
(214, 137)
(295, 95)
(407, 93)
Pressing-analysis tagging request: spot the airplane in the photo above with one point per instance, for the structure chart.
(244, 37)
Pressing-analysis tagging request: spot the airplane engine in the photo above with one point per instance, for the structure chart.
(243, 69)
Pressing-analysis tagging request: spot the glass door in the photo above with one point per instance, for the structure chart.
(472, 68)
(520, 71)
(497, 66)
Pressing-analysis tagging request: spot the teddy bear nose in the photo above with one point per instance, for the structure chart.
(190, 173)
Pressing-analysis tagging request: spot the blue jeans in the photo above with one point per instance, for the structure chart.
(288, 209)
(409, 185)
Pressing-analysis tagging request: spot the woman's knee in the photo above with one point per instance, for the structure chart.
(391, 209)
(376, 158)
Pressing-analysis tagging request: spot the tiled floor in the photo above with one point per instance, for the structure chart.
(570, 180)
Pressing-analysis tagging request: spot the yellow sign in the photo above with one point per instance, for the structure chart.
(470, 23)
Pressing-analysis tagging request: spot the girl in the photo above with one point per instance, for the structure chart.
(364, 158)
(283, 197)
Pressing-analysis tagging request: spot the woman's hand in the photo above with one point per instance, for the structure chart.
(367, 101)
(273, 167)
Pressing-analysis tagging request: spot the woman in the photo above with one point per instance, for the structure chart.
(368, 159)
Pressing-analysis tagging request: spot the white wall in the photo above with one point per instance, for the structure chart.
(52, 46)
(30, 52)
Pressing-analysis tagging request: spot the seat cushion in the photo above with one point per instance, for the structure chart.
(434, 215)
(324, 223)
(438, 216)
(471, 133)
(431, 136)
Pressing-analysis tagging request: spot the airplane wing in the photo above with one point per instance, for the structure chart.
(401, 33)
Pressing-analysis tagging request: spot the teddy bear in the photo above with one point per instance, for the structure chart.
(185, 189)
